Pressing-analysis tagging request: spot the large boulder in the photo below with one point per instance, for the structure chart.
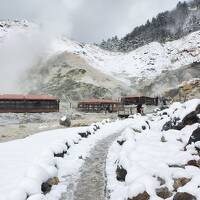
(65, 121)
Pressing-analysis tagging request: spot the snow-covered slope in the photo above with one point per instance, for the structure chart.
(148, 163)
(125, 69)
(147, 61)
(6, 27)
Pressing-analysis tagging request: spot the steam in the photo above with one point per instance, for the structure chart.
(23, 47)
(19, 51)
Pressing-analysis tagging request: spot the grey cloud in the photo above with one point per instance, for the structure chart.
(85, 20)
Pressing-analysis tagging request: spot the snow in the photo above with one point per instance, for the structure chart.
(22, 155)
(152, 153)
(147, 61)
(27, 163)
(179, 111)
(63, 118)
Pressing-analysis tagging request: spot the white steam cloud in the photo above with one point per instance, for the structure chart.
(22, 47)
(19, 50)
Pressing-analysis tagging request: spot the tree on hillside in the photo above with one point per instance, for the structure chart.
(169, 25)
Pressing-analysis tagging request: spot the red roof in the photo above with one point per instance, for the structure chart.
(133, 97)
(97, 101)
(26, 97)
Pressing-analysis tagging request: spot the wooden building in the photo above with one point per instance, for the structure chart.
(133, 100)
(28, 104)
(98, 105)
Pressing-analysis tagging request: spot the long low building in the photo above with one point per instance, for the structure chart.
(135, 100)
(28, 104)
(98, 105)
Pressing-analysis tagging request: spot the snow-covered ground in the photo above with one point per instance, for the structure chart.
(29, 162)
(158, 164)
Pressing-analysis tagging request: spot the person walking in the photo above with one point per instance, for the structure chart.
(140, 109)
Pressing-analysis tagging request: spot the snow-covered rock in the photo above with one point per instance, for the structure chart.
(156, 164)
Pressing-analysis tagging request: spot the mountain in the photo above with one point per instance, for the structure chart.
(80, 69)
(66, 68)
(167, 26)
(69, 75)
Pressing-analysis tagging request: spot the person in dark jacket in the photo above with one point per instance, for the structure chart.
(140, 109)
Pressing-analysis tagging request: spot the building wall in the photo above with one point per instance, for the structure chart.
(29, 106)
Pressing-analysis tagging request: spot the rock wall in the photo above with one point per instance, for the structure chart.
(168, 82)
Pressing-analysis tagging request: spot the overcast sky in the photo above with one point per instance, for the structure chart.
(86, 20)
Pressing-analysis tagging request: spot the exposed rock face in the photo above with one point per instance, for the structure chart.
(121, 173)
(70, 75)
(142, 196)
(167, 83)
(187, 90)
(184, 196)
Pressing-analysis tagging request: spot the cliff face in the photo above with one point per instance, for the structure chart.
(69, 75)
(187, 90)
(168, 82)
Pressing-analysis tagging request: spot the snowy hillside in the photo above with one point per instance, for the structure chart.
(157, 157)
(9, 26)
(125, 70)
(147, 61)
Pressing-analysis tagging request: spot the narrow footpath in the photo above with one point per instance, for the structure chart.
(91, 184)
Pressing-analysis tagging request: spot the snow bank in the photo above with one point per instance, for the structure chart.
(154, 163)
(27, 163)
